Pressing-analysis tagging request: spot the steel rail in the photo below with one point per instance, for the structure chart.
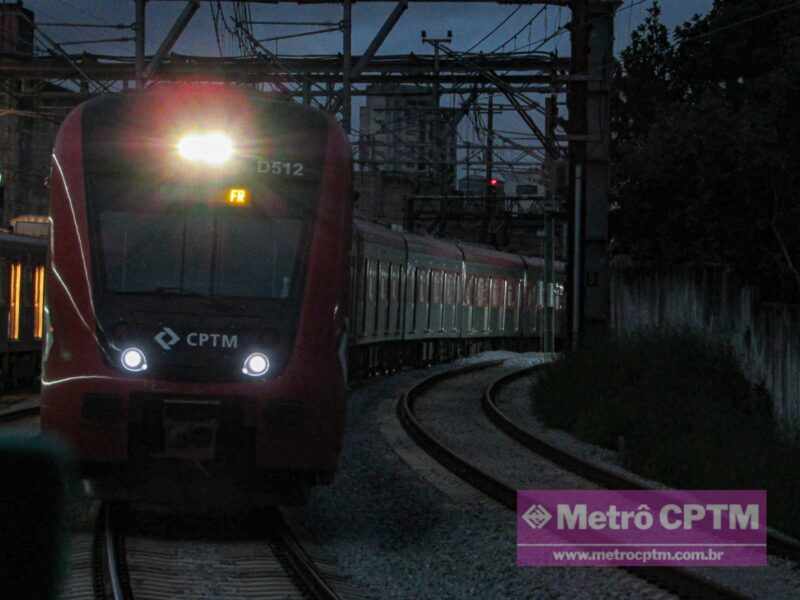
(115, 555)
(300, 564)
(683, 583)
(778, 543)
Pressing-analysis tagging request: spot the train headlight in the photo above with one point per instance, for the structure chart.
(256, 364)
(209, 148)
(133, 360)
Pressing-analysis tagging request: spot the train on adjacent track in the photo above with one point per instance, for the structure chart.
(208, 291)
(22, 279)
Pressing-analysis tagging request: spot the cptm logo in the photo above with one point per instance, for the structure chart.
(167, 338)
(537, 516)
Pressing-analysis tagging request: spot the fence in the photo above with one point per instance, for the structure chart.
(765, 336)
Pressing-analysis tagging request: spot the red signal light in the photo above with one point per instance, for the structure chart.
(493, 182)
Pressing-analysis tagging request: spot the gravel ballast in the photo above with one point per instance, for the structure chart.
(397, 535)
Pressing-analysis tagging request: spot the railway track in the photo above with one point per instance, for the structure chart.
(129, 566)
(681, 582)
(778, 543)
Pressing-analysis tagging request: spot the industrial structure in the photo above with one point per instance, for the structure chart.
(447, 103)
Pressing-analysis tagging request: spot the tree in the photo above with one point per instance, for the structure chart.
(706, 143)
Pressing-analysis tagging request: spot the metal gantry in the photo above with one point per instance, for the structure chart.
(333, 82)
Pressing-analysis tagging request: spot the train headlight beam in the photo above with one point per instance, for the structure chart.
(256, 364)
(214, 148)
(133, 360)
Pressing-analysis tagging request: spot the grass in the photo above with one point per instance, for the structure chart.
(685, 412)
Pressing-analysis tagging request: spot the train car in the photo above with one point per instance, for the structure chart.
(196, 294)
(545, 303)
(416, 300)
(493, 281)
(22, 276)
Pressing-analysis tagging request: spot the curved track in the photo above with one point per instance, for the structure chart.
(678, 581)
(778, 543)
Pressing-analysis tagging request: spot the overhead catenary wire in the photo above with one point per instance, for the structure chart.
(498, 26)
(528, 24)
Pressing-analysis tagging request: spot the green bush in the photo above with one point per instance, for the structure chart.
(686, 413)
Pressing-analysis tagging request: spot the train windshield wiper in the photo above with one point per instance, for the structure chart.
(176, 291)
(166, 291)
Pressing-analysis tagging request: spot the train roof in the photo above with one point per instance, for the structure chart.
(432, 246)
(28, 240)
(495, 258)
(377, 233)
(538, 262)
(449, 249)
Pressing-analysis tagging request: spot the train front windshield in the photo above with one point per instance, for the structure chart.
(210, 240)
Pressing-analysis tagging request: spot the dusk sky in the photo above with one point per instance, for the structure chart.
(468, 22)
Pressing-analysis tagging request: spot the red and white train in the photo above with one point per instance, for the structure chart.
(201, 289)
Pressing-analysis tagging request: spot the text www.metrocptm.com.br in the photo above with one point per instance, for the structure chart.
(643, 556)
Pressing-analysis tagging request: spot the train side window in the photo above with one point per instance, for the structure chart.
(436, 287)
(498, 289)
(394, 294)
(38, 302)
(371, 280)
(422, 286)
(14, 295)
(395, 283)
(450, 288)
(383, 274)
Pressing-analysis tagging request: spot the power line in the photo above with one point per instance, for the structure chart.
(528, 24)
(499, 25)
(630, 5)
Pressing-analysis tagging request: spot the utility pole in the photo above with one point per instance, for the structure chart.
(490, 191)
(549, 216)
(468, 165)
(592, 36)
(140, 20)
(550, 121)
(439, 152)
(347, 21)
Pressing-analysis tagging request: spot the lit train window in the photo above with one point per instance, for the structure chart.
(14, 293)
(38, 302)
